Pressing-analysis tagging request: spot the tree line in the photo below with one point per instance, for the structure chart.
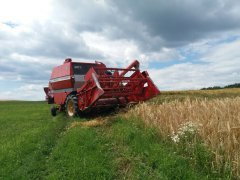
(236, 85)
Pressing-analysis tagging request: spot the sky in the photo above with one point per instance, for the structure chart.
(183, 44)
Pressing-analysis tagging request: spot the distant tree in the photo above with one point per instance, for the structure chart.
(236, 85)
(216, 87)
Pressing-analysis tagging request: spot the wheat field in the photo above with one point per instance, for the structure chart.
(217, 122)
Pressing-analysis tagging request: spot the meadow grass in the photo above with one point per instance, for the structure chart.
(119, 149)
(35, 145)
(27, 135)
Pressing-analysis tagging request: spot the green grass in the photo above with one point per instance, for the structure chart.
(81, 153)
(27, 135)
(122, 150)
(35, 145)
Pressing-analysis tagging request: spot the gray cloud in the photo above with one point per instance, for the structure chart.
(59, 41)
(48, 40)
(102, 17)
(151, 24)
(180, 22)
(25, 71)
(151, 30)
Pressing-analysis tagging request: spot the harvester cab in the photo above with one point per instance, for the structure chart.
(78, 87)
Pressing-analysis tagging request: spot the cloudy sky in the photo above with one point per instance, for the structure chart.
(184, 44)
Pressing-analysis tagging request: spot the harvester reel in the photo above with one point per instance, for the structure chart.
(71, 106)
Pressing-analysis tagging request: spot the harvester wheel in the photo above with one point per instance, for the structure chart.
(72, 106)
(53, 111)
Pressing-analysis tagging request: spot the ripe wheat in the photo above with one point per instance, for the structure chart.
(218, 120)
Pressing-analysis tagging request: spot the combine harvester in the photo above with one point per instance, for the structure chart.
(79, 87)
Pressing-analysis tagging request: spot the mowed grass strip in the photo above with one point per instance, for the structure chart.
(27, 135)
(119, 149)
(81, 154)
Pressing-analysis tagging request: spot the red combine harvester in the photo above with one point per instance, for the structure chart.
(78, 87)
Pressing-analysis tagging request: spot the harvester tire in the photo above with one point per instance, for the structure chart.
(71, 106)
(53, 111)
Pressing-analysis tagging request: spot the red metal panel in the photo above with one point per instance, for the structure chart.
(90, 92)
(62, 70)
(59, 98)
(62, 84)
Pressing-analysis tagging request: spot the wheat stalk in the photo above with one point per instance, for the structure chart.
(220, 120)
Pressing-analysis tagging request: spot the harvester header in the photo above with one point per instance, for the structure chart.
(78, 87)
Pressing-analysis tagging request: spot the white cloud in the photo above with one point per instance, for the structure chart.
(24, 11)
(122, 52)
(219, 65)
(27, 92)
(225, 52)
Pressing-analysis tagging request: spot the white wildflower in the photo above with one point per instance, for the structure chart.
(186, 129)
(175, 138)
